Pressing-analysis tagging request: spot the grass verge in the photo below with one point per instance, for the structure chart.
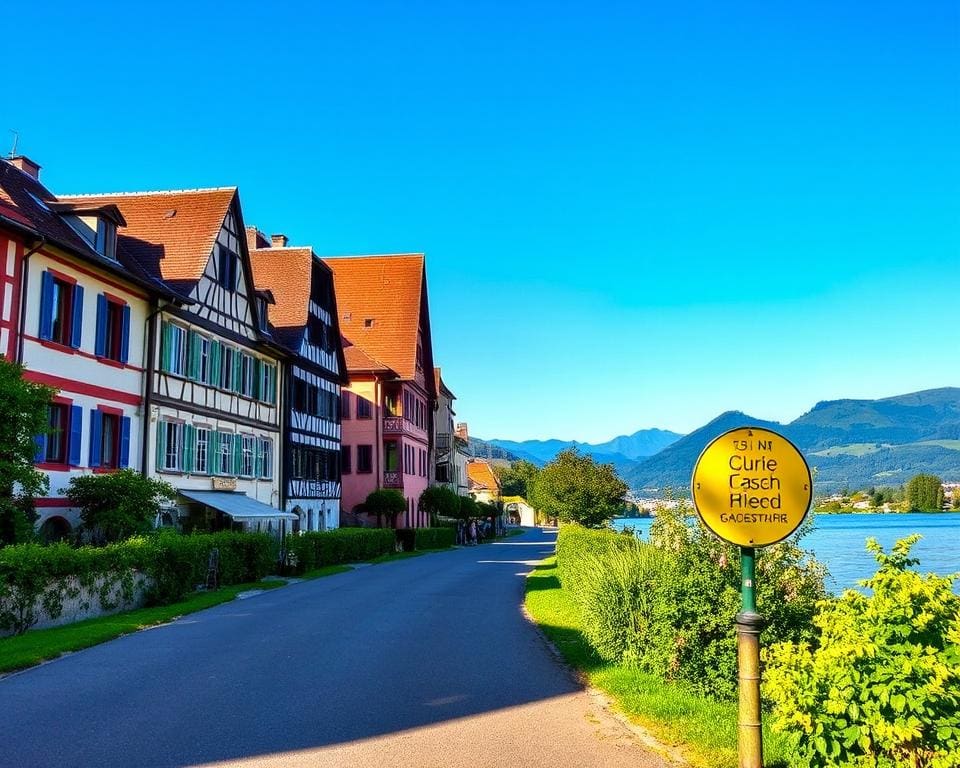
(22, 651)
(326, 570)
(704, 730)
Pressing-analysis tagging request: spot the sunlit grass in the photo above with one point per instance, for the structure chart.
(705, 730)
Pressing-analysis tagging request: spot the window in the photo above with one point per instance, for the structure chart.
(56, 440)
(224, 459)
(344, 404)
(227, 268)
(248, 443)
(364, 459)
(262, 313)
(173, 349)
(391, 457)
(169, 446)
(113, 329)
(226, 367)
(246, 376)
(110, 439)
(61, 310)
(363, 409)
(345, 455)
(106, 243)
(391, 403)
(201, 446)
(203, 358)
(265, 458)
(268, 383)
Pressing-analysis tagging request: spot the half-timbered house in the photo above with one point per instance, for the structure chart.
(304, 320)
(74, 313)
(214, 371)
(451, 448)
(388, 408)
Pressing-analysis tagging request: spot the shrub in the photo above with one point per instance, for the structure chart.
(316, 549)
(575, 545)
(434, 538)
(118, 505)
(34, 577)
(882, 686)
(439, 501)
(385, 503)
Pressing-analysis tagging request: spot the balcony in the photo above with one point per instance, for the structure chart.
(397, 425)
(392, 479)
(443, 441)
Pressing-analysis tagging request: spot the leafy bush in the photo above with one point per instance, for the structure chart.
(34, 577)
(385, 502)
(882, 685)
(118, 505)
(434, 538)
(439, 501)
(675, 599)
(316, 549)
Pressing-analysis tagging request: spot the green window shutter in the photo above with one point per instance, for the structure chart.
(214, 367)
(272, 386)
(165, 346)
(213, 452)
(161, 443)
(237, 454)
(189, 433)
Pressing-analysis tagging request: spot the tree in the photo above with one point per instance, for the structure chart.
(438, 501)
(118, 505)
(925, 494)
(576, 489)
(24, 414)
(386, 503)
(468, 508)
(518, 478)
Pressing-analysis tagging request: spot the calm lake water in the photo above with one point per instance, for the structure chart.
(838, 542)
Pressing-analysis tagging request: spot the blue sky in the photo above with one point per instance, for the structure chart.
(633, 216)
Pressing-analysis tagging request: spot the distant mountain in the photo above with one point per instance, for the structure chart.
(484, 449)
(622, 451)
(851, 443)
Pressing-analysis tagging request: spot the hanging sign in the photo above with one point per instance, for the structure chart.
(752, 487)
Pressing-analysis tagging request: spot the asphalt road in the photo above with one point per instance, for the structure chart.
(420, 662)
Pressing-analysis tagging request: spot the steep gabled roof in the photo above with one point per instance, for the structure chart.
(382, 304)
(28, 205)
(170, 234)
(441, 386)
(481, 474)
(287, 273)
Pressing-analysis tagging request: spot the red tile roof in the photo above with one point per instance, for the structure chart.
(287, 273)
(170, 234)
(481, 474)
(381, 300)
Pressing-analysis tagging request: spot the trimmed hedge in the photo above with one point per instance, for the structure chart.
(434, 538)
(315, 549)
(35, 577)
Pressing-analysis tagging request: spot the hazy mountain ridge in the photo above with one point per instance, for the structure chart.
(622, 451)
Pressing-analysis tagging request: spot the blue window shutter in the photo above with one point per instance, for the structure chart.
(125, 442)
(100, 345)
(46, 305)
(125, 335)
(76, 323)
(76, 434)
(96, 437)
(41, 454)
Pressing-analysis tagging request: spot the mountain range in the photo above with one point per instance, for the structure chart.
(851, 444)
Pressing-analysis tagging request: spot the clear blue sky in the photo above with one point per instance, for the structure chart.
(633, 216)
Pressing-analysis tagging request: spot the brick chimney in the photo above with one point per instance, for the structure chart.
(461, 431)
(278, 241)
(25, 164)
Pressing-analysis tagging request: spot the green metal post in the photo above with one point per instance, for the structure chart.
(749, 622)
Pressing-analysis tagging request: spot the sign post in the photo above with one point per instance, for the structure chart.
(751, 487)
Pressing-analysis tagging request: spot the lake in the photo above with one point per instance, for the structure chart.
(838, 542)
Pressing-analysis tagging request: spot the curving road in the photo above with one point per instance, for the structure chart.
(419, 662)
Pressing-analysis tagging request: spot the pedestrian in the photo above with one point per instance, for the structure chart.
(473, 531)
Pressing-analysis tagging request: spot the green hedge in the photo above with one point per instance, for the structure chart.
(35, 577)
(577, 545)
(434, 538)
(316, 549)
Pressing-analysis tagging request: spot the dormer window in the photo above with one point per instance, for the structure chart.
(106, 244)
(262, 312)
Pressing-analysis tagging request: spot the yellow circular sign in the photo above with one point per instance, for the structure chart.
(751, 487)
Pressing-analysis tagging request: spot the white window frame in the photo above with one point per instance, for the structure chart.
(201, 459)
(174, 446)
(265, 447)
(224, 441)
(204, 361)
(246, 375)
(248, 444)
(178, 350)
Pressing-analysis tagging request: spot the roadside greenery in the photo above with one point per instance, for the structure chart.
(668, 606)
(439, 501)
(118, 505)
(518, 478)
(24, 414)
(316, 549)
(573, 488)
(385, 503)
(881, 684)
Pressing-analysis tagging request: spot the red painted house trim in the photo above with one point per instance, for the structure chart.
(71, 351)
(90, 273)
(81, 388)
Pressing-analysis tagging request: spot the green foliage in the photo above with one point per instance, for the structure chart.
(518, 478)
(23, 416)
(434, 538)
(118, 505)
(385, 502)
(882, 686)
(669, 606)
(468, 508)
(439, 501)
(925, 493)
(575, 489)
(34, 577)
(316, 549)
